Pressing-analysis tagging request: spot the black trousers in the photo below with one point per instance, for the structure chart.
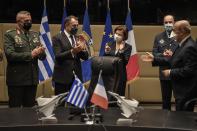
(22, 96)
(121, 88)
(166, 92)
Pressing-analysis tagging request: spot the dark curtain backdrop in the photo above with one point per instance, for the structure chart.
(144, 12)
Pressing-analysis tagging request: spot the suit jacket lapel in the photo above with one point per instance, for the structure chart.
(65, 40)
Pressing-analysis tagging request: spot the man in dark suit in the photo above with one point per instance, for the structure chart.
(22, 49)
(165, 41)
(183, 66)
(119, 48)
(68, 52)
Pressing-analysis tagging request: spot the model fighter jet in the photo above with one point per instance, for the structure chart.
(128, 107)
(48, 105)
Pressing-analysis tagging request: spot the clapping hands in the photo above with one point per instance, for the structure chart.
(79, 46)
(168, 52)
(107, 48)
(37, 51)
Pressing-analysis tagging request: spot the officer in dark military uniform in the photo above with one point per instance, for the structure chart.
(163, 44)
(22, 49)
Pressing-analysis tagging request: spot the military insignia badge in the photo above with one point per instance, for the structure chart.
(17, 39)
(35, 39)
(161, 41)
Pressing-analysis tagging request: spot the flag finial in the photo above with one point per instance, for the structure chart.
(108, 5)
(64, 3)
(128, 5)
(44, 3)
(86, 3)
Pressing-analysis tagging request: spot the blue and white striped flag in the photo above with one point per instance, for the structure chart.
(78, 95)
(46, 66)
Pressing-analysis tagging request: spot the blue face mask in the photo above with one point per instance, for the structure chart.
(168, 27)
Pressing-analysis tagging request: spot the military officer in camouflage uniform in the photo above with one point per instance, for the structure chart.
(22, 49)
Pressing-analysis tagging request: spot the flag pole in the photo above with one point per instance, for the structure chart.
(128, 5)
(64, 3)
(108, 5)
(86, 3)
(43, 84)
(128, 85)
(44, 3)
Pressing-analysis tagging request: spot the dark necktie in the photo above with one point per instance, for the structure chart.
(72, 41)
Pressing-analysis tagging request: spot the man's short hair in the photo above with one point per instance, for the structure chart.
(68, 19)
(124, 30)
(184, 26)
(169, 15)
(18, 16)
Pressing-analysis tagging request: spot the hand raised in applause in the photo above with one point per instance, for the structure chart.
(147, 58)
(167, 52)
(79, 46)
(37, 51)
(107, 48)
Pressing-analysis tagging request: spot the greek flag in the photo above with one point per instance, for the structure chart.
(46, 66)
(78, 95)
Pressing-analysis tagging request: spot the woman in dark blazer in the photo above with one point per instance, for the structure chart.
(119, 48)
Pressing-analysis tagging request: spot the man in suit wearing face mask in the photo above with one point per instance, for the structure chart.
(68, 52)
(22, 49)
(164, 46)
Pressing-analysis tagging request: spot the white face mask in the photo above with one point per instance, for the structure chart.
(117, 38)
(168, 27)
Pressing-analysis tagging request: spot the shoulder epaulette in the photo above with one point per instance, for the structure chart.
(10, 30)
(33, 31)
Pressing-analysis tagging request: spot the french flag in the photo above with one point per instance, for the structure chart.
(133, 69)
(99, 96)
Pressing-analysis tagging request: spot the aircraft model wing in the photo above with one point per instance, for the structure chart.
(47, 105)
(128, 107)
